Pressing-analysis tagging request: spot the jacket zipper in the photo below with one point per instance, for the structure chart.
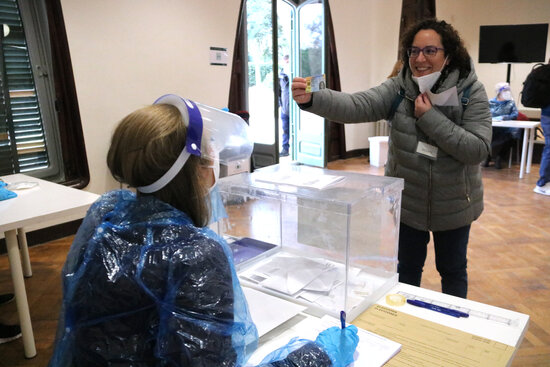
(429, 194)
(467, 184)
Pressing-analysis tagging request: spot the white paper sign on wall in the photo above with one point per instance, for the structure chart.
(218, 56)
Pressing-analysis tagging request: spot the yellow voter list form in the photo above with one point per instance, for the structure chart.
(428, 344)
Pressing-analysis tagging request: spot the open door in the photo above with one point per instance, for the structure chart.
(262, 89)
(275, 29)
(309, 130)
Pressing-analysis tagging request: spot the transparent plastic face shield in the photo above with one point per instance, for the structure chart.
(218, 136)
(503, 90)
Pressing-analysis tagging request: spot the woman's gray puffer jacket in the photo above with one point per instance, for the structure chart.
(441, 194)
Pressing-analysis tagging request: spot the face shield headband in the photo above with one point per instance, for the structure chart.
(504, 92)
(502, 89)
(194, 124)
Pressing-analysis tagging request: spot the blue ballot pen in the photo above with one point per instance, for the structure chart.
(343, 319)
(445, 310)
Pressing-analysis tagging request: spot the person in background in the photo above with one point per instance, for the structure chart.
(502, 107)
(146, 283)
(284, 103)
(437, 141)
(8, 332)
(543, 183)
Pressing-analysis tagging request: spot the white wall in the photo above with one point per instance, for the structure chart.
(367, 33)
(126, 53)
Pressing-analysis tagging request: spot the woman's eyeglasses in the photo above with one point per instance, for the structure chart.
(428, 51)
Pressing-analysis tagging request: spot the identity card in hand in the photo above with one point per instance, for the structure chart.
(315, 83)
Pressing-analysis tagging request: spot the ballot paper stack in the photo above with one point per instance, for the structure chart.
(324, 239)
(317, 282)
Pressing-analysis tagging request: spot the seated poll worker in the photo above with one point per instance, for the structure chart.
(502, 107)
(440, 132)
(146, 283)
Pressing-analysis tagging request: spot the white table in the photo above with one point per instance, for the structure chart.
(494, 328)
(489, 322)
(45, 202)
(528, 138)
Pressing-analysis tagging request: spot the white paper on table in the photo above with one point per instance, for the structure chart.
(289, 275)
(334, 300)
(310, 296)
(372, 351)
(317, 289)
(337, 274)
(268, 311)
(326, 281)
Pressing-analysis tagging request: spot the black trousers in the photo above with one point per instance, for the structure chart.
(450, 257)
(503, 140)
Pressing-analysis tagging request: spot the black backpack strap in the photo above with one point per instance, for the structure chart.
(396, 102)
(466, 96)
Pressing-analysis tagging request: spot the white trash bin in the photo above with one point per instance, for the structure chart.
(378, 151)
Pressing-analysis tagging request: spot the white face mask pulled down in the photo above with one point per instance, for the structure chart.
(425, 84)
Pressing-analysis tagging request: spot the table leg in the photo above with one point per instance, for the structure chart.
(531, 145)
(20, 293)
(523, 151)
(25, 258)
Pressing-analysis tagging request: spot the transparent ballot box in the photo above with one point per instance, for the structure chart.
(325, 239)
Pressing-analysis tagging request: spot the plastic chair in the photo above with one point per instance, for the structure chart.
(521, 117)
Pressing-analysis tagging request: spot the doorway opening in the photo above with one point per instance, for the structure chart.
(277, 49)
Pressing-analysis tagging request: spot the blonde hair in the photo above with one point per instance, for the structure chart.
(144, 146)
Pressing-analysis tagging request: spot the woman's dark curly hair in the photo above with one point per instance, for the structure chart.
(452, 43)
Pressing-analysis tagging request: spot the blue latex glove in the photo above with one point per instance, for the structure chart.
(339, 344)
(497, 118)
(6, 194)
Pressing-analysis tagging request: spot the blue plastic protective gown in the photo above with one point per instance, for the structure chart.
(503, 110)
(142, 286)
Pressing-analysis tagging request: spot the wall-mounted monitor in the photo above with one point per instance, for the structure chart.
(513, 43)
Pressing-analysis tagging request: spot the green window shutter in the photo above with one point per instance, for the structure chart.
(7, 148)
(22, 138)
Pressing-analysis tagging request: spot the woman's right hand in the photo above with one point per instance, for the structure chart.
(422, 104)
(299, 91)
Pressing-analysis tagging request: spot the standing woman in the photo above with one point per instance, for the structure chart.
(440, 133)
